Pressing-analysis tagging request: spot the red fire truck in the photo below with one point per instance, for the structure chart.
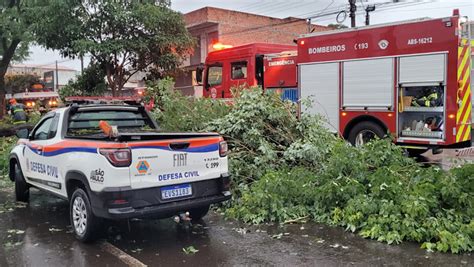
(411, 79)
(271, 66)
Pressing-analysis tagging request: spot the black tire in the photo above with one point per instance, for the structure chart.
(197, 214)
(22, 190)
(85, 224)
(366, 128)
(415, 152)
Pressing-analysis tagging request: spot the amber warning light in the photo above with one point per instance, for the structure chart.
(220, 46)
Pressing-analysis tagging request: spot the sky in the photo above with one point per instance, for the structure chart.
(384, 13)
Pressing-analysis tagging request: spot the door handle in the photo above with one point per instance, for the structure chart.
(179, 146)
(40, 149)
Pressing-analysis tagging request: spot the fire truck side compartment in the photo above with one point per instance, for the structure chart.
(320, 83)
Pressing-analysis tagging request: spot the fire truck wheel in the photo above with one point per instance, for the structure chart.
(364, 132)
(415, 152)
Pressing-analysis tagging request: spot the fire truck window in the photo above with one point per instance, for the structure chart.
(239, 70)
(214, 76)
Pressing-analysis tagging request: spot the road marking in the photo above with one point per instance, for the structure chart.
(124, 257)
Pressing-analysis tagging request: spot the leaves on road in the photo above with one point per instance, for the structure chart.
(191, 250)
(16, 231)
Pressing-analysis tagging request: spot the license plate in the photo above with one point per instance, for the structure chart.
(176, 191)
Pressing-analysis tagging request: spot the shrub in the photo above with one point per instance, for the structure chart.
(176, 112)
(285, 168)
(6, 145)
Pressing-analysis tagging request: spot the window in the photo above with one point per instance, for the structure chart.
(87, 122)
(54, 127)
(239, 70)
(42, 131)
(214, 76)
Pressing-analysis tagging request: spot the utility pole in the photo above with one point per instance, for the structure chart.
(309, 25)
(57, 84)
(352, 12)
(368, 9)
(82, 64)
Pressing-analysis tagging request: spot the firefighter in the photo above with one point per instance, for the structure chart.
(17, 112)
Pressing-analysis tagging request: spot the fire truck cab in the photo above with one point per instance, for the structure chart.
(251, 65)
(409, 79)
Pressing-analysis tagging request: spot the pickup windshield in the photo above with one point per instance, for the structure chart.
(86, 123)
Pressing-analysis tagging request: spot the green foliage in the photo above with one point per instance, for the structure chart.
(176, 112)
(90, 83)
(337, 26)
(15, 35)
(17, 83)
(122, 36)
(264, 133)
(15, 24)
(388, 201)
(6, 145)
(285, 168)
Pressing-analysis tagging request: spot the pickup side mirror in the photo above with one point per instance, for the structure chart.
(22, 133)
(199, 72)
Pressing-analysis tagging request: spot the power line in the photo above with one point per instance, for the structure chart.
(320, 14)
(410, 10)
(261, 5)
(281, 7)
(250, 5)
(292, 6)
(314, 13)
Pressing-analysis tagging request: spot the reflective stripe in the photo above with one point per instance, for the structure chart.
(19, 122)
(463, 117)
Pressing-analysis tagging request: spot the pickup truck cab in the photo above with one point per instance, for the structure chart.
(139, 172)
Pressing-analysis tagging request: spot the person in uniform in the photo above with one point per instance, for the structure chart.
(17, 112)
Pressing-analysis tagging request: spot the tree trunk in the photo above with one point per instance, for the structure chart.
(7, 56)
(110, 79)
(2, 96)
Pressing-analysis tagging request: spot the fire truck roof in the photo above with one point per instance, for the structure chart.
(322, 33)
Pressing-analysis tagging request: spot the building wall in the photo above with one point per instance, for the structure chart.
(64, 74)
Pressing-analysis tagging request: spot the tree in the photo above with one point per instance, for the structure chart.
(124, 37)
(17, 83)
(337, 26)
(90, 83)
(14, 37)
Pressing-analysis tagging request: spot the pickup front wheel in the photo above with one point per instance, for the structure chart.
(84, 223)
(22, 191)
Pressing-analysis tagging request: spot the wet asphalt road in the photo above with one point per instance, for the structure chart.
(38, 234)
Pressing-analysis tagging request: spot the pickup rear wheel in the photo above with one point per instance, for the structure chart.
(196, 214)
(84, 223)
(22, 190)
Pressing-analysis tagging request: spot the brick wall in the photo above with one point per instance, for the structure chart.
(238, 28)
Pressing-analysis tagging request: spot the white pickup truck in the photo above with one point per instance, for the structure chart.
(139, 172)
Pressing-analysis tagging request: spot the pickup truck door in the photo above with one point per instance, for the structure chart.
(41, 169)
